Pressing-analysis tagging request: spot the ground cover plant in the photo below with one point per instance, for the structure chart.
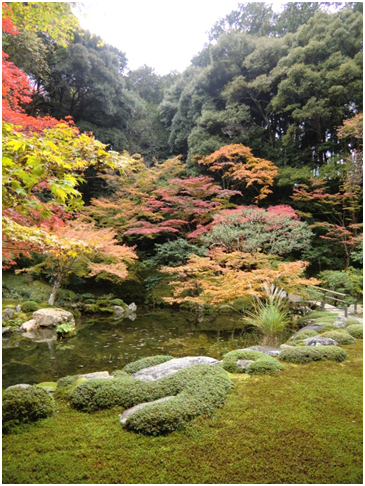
(307, 419)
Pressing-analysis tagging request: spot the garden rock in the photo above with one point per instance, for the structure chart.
(6, 330)
(320, 341)
(244, 363)
(18, 308)
(340, 324)
(96, 374)
(286, 346)
(119, 311)
(169, 367)
(50, 317)
(266, 350)
(29, 326)
(20, 385)
(132, 307)
(124, 416)
(9, 312)
(314, 327)
(41, 335)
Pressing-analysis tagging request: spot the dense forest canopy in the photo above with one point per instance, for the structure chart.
(267, 115)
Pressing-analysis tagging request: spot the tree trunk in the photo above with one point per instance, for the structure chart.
(55, 288)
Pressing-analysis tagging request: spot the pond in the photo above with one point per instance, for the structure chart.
(107, 344)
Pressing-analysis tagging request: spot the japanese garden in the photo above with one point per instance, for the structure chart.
(182, 253)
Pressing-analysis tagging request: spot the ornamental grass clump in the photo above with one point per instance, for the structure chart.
(355, 330)
(263, 363)
(271, 315)
(341, 337)
(22, 405)
(142, 363)
(307, 354)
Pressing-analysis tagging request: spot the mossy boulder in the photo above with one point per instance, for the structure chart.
(341, 337)
(263, 363)
(22, 405)
(142, 363)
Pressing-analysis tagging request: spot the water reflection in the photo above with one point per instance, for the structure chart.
(106, 345)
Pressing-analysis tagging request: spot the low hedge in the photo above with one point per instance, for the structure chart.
(21, 405)
(306, 354)
(264, 364)
(341, 337)
(198, 390)
(142, 363)
(355, 330)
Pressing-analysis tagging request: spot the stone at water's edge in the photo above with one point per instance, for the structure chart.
(41, 335)
(265, 349)
(29, 325)
(50, 317)
(169, 367)
(124, 416)
(96, 374)
(320, 341)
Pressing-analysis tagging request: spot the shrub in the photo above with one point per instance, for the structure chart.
(230, 359)
(198, 389)
(342, 337)
(355, 330)
(264, 367)
(306, 333)
(67, 381)
(135, 366)
(119, 374)
(118, 302)
(30, 306)
(25, 405)
(306, 354)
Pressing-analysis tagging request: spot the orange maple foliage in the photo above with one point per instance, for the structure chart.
(236, 165)
(222, 277)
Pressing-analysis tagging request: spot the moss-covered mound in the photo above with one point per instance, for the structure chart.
(142, 363)
(306, 354)
(67, 381)
(341, 337)
(263, 364)
(304, 334)
(25, 405)
(355, 330)
(198, 389)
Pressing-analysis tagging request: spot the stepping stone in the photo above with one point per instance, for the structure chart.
(320, 341)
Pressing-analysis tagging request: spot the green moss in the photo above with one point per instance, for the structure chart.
(25, 405)
(119, 374)
(355, 330)
(306, 354)
(341, 337)
(106, 310)
(306, 333)
(118, 302)
(131, 368)
(48, 385)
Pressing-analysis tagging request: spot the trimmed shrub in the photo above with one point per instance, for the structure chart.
(118, 302)
(29, 306)
(230, 359)
(264, 367)
(25, 405)
(67, 381)
(135, 366)
(355, 330)
(306, 333)
(342, 337)
(306, 354)
(198, 390)
(119, 374)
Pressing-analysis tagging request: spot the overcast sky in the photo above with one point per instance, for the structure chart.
(163, 34)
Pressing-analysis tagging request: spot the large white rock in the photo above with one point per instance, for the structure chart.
(169, 367)
(29, 325)
(50, 317)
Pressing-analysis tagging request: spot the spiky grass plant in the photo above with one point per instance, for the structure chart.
(270, 315)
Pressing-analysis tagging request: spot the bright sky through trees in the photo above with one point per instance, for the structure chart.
(164, 34)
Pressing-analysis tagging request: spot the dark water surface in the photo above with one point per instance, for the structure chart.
(107, 345)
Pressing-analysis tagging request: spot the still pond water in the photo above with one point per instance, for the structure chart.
(107, 345)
